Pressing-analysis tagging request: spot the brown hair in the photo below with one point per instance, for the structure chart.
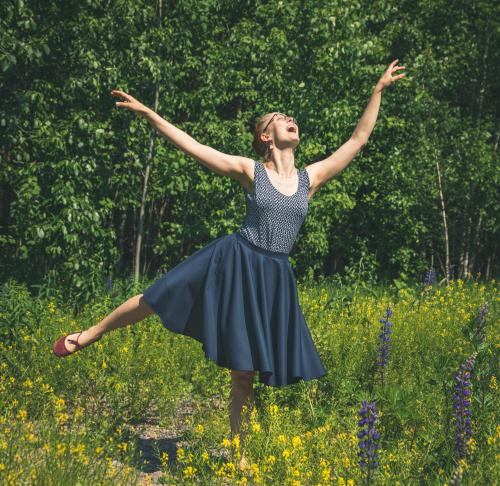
(258, 145)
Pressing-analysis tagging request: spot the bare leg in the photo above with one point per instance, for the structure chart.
(131, 311)
(241, 394)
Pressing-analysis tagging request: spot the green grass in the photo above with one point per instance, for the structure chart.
(75, 420)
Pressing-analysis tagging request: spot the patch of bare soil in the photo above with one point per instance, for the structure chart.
(154, 439)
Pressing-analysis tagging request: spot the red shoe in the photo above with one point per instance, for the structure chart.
(60, 349)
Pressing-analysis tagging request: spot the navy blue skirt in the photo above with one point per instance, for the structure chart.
(241, 302)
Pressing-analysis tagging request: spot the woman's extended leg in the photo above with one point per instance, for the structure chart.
(241, 394)
(131, 311)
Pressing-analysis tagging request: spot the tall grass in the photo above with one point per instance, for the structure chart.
(75, 420)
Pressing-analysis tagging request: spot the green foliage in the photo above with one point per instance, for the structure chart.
(73, 165)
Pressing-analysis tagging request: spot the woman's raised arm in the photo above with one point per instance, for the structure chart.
(322, 171)
(222, 164)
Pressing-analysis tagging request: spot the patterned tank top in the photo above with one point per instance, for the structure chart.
(274, 219)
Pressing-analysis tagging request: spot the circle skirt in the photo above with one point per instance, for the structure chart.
(241, 302)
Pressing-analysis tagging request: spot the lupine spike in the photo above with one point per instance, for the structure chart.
(430, 277)
(461, 405)
(369, 445)
(383, 347)
(481, 321)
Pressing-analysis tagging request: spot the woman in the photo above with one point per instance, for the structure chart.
(237, 295)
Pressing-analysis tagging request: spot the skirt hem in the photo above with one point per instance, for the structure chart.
(222, 364)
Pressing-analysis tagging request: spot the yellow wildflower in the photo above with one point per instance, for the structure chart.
(22, 414)
(271, 459)
(493, 383)
(256, 427)
(254, 469)
(296, 441)
(273, 410)
(61, 449)
(122, 446)
(78, 449)
(31, 437)
(189, 472)
(236, 441)
(62, 418)
(79, 412)
(28, 383)
(60, 403)
(47, 388)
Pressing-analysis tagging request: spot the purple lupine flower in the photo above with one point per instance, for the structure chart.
(430, 277)
(383, 347)
(368, 443)
(462, 404)
(481, 321)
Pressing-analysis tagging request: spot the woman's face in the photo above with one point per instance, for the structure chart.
(281, 129)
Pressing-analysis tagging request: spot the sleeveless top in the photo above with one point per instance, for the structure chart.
(274, 219)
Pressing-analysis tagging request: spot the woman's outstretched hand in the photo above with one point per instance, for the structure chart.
(387, 80)
(130, 102)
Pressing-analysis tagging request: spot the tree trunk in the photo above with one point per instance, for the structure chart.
(445, 226)
(476, 245)
(140, 225)
(464, 257)
(488, 263)
(142, 209)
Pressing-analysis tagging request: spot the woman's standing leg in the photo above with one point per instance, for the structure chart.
(241, 394)
(131, 311)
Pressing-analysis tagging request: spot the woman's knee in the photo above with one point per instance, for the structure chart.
(144, 305)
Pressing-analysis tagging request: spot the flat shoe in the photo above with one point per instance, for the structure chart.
(60, 349)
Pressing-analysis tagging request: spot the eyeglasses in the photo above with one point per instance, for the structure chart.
(280, 116)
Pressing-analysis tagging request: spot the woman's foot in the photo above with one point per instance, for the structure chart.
(71, 343)
(86, 337)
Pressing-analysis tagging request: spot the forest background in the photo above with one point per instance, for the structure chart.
(90, 193)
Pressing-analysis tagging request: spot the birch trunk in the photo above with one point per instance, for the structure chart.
(445, 226)
(152, 138)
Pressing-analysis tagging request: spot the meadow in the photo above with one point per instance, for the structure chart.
(144, 405)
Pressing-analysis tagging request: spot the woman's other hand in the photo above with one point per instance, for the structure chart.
(387, 80)
(130, 102)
